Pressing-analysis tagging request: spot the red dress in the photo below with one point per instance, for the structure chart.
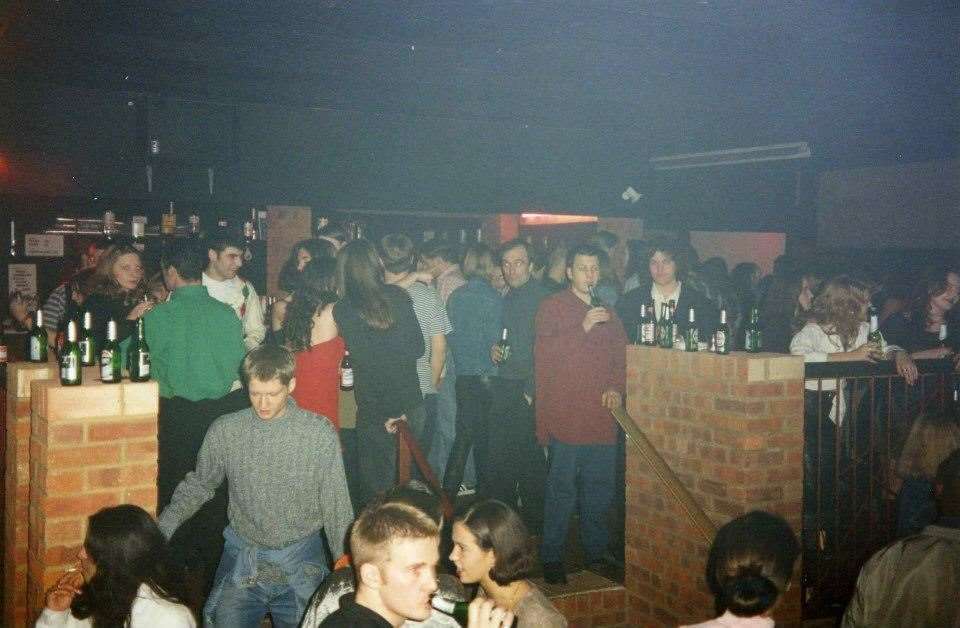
(318, 378)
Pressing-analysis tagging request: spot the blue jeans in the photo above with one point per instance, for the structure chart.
(446, 419)
(593, 466)
(240, 599)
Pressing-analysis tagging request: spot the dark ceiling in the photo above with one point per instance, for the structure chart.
(505, 103)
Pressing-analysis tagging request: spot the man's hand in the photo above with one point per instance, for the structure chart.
(906, 367)
(139, 310)
(595, 315)
(19, 310)
(496, 354)
(61, 595)
(391, 424)
(867, 352)
(611, 399)
(483, 613)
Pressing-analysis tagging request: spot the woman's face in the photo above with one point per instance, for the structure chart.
(663, 270)
(303, 258)
(473, 563)
(128, 271)
(942, 303)
(805, 298)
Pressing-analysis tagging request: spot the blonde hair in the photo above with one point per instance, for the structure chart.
(931, 440)
(838, 309)
(478, 261)
(382, 523)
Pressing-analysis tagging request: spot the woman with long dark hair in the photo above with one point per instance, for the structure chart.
(291, 276)
(121, 579)
(784, 309)
(492, 548)
(382, 333)
(311, 334)
(918, 328)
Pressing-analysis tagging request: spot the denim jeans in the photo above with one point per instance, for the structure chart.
(584, 474)
(241, 599)
(445, 425)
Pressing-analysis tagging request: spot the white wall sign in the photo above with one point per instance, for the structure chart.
(23, 279)
(43, 245)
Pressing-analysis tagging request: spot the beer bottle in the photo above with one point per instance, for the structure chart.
(942, 335)
(88, 352)
(138, 357)
(875, 336)
(70, 372)
(692, 335)
(37, 339)
(666, 327)
(721, 335)
(595, 301)
(504, 345)
(346, 372)
(751, 336)
(648, 326)
(458, 610)
(110, 371)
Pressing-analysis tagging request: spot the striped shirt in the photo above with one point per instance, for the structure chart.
(55, 307)
(433, 319)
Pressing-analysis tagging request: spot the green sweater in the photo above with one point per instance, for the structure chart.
(196, 345)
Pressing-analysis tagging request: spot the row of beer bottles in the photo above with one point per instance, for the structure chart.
(79, 350)
(668, 333)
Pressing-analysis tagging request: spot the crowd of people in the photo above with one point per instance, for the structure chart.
(504, 365)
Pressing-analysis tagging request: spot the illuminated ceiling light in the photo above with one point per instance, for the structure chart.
(554, 219)
(729, 157)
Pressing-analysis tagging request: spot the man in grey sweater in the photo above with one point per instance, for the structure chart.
(286, 485)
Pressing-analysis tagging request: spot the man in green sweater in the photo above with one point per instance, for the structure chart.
(196, 347)
(286, 485)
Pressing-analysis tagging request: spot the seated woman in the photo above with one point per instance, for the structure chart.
(120, 579)
(748, 570)
(491, 546)
(917, 329)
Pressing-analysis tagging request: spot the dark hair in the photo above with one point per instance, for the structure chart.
(509, 245)
(128, 549)
(317, 289)
(102, 281)
(187, 256)
(933, 284)
(586, 250)
(80, 283)
(443, 249)
(750, 563)
(333, 231)
(220, 238)
(638, 260)
(360, 277)
(398, 253)
(289, 277)
(497, 527)
(477, 261)
(672, 248)
(605, 240)
(267, 362)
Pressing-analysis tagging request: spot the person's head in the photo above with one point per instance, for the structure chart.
(637, 261)
(745, 276)
(605, 241)
(516, 260)
(157, 290)
(317, 290)
(360, 276)
(311, 249)
(334, 234)
(933, 437)
(666, 262)
(224, 254)
(491, 541)
(79, 285)
(934, 297)
(267, 372)
(750, 563)
(123, 549)
(395, 550)
(478, 262)
(398, 253)
(557, 262)
(497, 280)
(182, 262)
(947, 486)
(90, 252)
(839, 308)
(583, 268)
(788, 298)
(119, 273)
(439, 255)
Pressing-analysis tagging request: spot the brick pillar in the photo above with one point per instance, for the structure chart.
(92, 446)
(731, 428)
(285, 227)
(17, 487)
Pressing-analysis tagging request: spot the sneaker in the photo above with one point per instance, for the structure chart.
(466, 491)
(554, 573)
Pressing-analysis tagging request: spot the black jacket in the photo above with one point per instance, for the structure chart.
(707, 316)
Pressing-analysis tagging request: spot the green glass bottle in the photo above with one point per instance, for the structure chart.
(458, 610)
(504, 345)
(721, 335)
(88, 350)
(875, 336)
(37, 340)
(692, 336)
(138, 357)
(665, 324)
(110, 358)
(752, 342)
(71, 373)
(648, 326)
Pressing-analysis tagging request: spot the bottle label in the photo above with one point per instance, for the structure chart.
(720, 341)
(106, 365)
(68, 367)
(34, 348)
(647, 333)
(86, 351)
(143, 363)
(346, 378)
(504, 353)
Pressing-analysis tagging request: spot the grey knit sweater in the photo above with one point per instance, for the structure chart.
(284, 477)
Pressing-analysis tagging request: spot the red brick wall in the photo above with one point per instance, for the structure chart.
(731, 428)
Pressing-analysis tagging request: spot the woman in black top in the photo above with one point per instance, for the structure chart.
(917, 329)
(784, 309)
(115, 290)
(384, 339)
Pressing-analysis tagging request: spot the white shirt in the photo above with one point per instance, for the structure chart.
(240, 294)
(149, 610)
(660, 299)
(729, 620)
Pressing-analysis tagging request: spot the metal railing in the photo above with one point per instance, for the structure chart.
(856, 418)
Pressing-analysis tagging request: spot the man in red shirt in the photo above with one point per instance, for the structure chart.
(580, 363)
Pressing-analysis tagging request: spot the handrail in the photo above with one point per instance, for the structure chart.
(665, 474)
(833, 370)
(408, 447)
